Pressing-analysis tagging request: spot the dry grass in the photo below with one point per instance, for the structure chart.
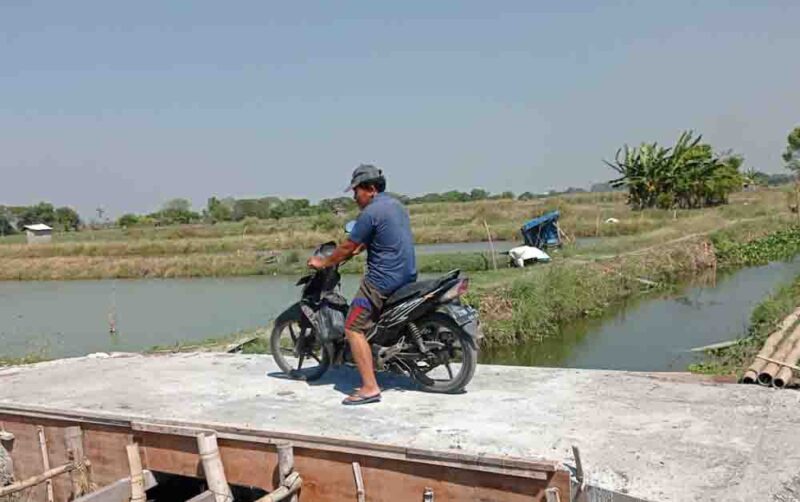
(237, 248)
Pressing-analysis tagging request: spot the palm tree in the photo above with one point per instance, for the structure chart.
(686, 175)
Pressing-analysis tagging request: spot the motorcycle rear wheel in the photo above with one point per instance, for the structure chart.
(294, 342)
(460, 353)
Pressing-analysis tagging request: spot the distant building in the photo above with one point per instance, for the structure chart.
(38, 233)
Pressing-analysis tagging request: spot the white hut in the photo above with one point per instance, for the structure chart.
(38, 233)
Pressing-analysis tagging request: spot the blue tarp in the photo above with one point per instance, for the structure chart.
(542, 232)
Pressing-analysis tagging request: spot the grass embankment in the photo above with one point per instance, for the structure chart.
(207, 265)
(248, 342)
(735, 359)
(271, 247)
(535, 304)
(780, 245)
(32, 358)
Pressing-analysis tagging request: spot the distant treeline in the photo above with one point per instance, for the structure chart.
(14, 218)
(764, 179)
(179, 211)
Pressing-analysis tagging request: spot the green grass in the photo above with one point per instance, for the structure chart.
(519, 306)
(255, 339)
(778, 245)
(36, 357)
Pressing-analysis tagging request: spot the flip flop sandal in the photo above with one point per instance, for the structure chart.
(357, 399)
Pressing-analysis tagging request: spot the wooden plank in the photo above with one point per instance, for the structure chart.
(119, 491)
(518, 466)
(498, 465)
(105, 447)
(26, 454)
(391, 474)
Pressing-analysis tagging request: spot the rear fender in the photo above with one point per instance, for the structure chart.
(465, 317)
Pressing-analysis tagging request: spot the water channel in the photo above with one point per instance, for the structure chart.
(67, 318)
(657, 333)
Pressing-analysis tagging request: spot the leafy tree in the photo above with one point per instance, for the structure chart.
(755, 177)
(177, 205)
(478, 194)
(67, 219)
(128, 220)
(792, 154)
(174, 212)
(339, 204)
(527, 196)
(6, 227)
(686, 175)
(42, 212)
(220, 210)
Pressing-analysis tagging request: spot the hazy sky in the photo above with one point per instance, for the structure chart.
(127, 104)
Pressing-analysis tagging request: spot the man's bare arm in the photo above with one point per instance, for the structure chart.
(345, 250)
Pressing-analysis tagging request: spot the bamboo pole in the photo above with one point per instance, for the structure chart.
(45, 462)
(35, 480)
(288, 488)
(212, 467)
(781, 353)
(784, 375)
(137, 473)
(81, 478)
(286, 464)
(491, 245)
(360, 492)
(552, 495)
(751, 375)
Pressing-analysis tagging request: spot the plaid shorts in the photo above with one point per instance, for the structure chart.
(365, 309)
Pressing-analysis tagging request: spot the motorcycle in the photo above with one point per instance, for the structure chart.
(424, 330)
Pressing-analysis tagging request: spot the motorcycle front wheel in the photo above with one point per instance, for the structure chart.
(296, 348)
(451, 365)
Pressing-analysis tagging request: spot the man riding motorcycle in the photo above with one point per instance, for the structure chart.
(383, 227)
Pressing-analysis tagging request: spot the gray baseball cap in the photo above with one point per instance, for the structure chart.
(362, 174)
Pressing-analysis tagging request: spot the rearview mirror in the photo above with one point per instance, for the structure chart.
(349, 226)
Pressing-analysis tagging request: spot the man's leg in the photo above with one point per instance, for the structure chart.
(362, 354)
(360, 319)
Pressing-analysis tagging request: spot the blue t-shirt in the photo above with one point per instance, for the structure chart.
(385, 229)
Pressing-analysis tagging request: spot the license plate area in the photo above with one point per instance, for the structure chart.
(467, 318)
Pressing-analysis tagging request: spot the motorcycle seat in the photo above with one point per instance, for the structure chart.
(417, 288)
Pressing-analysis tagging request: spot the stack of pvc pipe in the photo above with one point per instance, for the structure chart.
(783, 346)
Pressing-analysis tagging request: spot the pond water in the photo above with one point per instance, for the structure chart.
(65, 318)
(654, 333)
